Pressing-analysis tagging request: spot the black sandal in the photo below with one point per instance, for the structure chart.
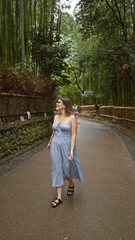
(70, 190)
(56, 202)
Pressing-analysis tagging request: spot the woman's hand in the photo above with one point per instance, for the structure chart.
(71, 156)
(48, 146)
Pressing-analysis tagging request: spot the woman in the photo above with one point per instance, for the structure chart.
(75, 108)
(65, 163)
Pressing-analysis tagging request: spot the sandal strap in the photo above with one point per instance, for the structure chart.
(71, 187)
(70, 190)
(56, 202)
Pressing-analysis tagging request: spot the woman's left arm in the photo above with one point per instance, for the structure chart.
(73, 135)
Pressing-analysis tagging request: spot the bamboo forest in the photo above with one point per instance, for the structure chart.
(88, 56)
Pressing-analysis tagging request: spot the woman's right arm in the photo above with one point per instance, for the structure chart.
(49, 144)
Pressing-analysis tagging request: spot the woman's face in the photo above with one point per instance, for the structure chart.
(59, 105)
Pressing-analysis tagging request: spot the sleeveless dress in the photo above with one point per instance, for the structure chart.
(59, 154)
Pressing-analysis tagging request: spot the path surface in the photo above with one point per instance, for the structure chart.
(102, 208)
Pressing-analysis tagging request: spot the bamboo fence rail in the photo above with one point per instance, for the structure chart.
(12, 106)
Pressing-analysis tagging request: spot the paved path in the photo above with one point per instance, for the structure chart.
(102, 208)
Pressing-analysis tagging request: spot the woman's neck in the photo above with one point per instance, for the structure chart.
(62, 113)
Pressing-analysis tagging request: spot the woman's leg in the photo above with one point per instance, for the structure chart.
(70, 180)
(58, 200)
(59, 192)
(70, 190)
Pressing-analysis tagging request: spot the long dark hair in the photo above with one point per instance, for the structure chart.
(68, 104)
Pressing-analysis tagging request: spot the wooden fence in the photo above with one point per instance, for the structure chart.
(12, 106)
(86, 108)
(119, 113)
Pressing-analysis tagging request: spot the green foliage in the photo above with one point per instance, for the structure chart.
(51, 59)
(93, 53)
(30, 36)
(16, 138)
(109, 27)
(71, 92)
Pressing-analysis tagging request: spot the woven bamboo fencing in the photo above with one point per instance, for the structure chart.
(12, 106)
(86, 108)
(119, 113)
(114, 112)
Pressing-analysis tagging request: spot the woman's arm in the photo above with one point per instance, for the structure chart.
(73, 135)
(49, 144)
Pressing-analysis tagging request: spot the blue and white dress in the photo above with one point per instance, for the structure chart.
(59, 154)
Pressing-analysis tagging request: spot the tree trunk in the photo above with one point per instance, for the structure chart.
(94, 91)
(4, 33)
(22, 30)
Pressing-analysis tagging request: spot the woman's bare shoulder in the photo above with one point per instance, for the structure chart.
(56, 117)
(72, 118)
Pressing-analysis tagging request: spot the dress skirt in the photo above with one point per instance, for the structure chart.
(59, 154)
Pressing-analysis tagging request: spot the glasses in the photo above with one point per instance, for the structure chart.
(59, 102)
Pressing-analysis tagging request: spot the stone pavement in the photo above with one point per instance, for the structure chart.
(102, 208)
